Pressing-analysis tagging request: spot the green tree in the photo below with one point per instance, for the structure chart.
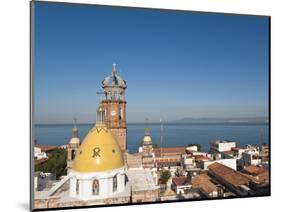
(155, 146)
(56, 163)
(165, 176)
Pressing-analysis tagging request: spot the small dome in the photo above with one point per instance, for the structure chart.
(147, 140)
(98, 152)
(114, 80)
(74, 140)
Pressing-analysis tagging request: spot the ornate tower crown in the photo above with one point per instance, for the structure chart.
(114, 80)
(114, 86)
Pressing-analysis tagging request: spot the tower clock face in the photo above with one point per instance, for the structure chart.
(113, 112)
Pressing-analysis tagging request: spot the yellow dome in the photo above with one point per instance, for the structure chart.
(147, 139)
(98, 152)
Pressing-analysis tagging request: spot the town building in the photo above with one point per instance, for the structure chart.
(143, 185)
(43, 181)
(259, 179)
(233, 180)
(41, 152)
(221, 145)
(251, 156)
(229, 162)
(169, 157)
(181, 184)
(205, 184)
(38, 154)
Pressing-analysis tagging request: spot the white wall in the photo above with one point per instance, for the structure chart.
(230, 162)
(105, 184)
(226, 146)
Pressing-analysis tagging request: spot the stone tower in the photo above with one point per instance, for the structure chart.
(72, 146)
(147, 150)
(114, 104)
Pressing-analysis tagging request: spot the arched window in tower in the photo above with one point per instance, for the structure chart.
(95, 187)
(77, 186)
(115, 183)
(72, 154)
(120, 114)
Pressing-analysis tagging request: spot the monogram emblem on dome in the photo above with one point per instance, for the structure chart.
(96, 152)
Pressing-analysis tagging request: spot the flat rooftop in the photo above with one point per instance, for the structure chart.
(141, 180)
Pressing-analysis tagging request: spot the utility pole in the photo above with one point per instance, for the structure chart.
(161, 136)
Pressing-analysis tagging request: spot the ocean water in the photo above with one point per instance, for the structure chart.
(173, 134)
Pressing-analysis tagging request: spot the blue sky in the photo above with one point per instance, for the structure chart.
(176, 64)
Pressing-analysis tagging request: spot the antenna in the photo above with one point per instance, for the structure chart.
(146, 128)
(161, 136)
(261, 137)
(75, 122)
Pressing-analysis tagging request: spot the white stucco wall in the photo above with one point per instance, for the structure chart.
(105, 180)
(226, 146)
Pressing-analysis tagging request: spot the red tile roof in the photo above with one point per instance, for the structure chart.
(40, 161)
(169, 151)
(263, 177)
(203, 181)
(201, 157)
(167, 163)
(255, 170)
(228, 174)
(228, 152)
(235, 148)
(260, 174)
(179, 181)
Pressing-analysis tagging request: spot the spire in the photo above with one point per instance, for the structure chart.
(146, 129)
(75, 129)
(114, 69)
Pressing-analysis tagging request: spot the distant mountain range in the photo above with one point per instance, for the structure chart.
(223, 120)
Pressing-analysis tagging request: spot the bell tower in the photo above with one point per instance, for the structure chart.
(114, 104)
(72, 146)
(147, 149)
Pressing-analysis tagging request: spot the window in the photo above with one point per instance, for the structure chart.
(72, 154)
(115, 183)
(95, 187)
(77, 186)
(120, 114)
